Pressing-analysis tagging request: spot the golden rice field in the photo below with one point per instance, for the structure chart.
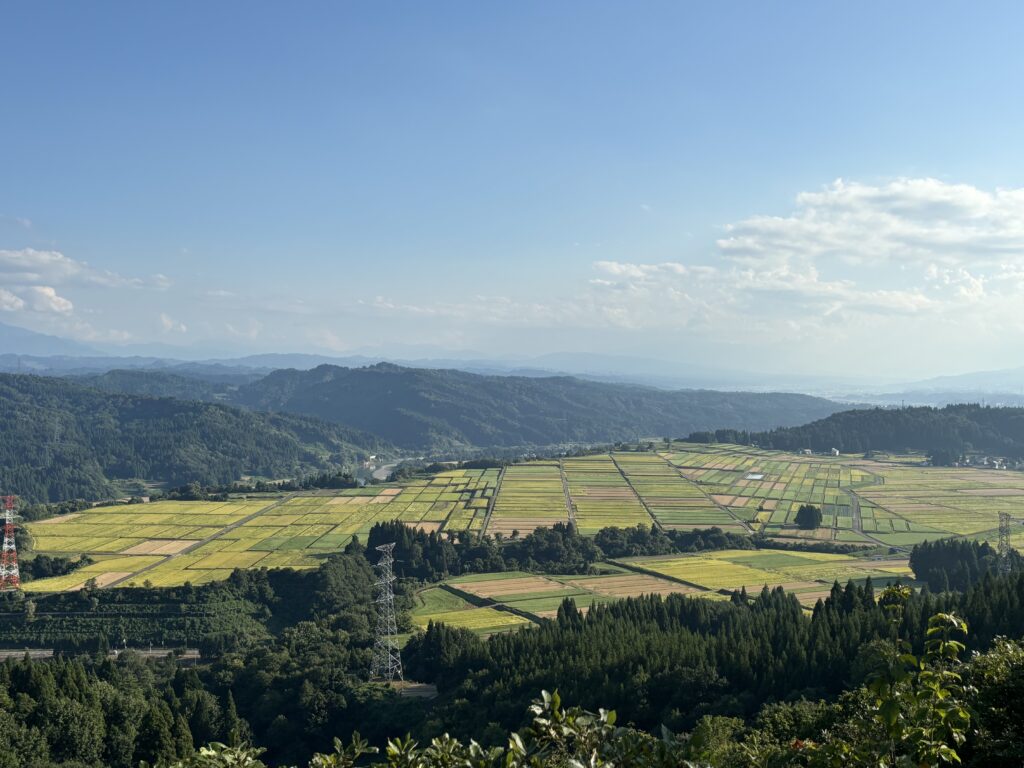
(601, 496)
(169, 543)
(809, 575)
(530, 496)
(736, 488)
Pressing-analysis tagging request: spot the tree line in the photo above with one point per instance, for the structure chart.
(945, 433)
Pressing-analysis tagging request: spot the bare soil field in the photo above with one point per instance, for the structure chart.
(59, 519)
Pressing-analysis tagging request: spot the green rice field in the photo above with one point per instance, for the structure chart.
(169, 543)
(808, 575)
(874, 503)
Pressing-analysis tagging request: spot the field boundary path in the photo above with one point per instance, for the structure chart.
(855, 516)
(858, 522)
(570, 507)
(640, 569)
(201, 542)
(654, 520)
(679, 471)
(490, 504)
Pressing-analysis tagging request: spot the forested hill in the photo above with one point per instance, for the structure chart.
(441, 409)
(61, 440)
(950, 430)
(156, 384)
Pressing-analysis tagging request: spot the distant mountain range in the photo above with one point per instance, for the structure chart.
(1006, 380)
(21, 341)
(24, 351)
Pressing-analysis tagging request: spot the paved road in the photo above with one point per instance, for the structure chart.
(381, 473)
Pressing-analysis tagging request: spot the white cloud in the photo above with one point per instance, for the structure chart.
(29, 266)
(910, 221)
(10, 302)
(251, 329)
(170, 325)
(44, 298)
(912, 246)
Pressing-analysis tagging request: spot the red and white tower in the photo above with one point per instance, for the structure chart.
(10, 578)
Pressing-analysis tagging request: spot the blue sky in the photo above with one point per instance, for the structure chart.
(776, 186)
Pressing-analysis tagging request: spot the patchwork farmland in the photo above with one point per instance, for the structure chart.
(521, 598)
(170, 542)
(892, 503)
(896, 503)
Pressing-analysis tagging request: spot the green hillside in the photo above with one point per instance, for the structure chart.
(950, 430)
(421, 408)
(60, 440)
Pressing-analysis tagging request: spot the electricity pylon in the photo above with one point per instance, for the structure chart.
(10, 577)
(387, 661)
(1004, 542)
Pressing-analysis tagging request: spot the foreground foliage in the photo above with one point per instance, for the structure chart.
(913, 711)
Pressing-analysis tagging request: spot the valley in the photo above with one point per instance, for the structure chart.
(877, 508)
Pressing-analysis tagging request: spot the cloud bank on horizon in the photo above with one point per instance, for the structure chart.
(871, 276)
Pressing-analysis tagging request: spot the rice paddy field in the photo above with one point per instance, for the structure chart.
(169, 543)
(601, 496)
(531, 496)
(808, 575)
(530, 597)
(873, 503)
(675, 501)
(891, 501)
(439, 605)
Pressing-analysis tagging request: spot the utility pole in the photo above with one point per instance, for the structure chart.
(10, 576)
(387, 661)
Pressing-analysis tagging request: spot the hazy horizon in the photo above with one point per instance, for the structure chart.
(791, 189)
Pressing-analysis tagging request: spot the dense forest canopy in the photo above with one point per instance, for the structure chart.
(157, 384)
(952, 430)
(424, 408)
(62, 440)
(692, 665)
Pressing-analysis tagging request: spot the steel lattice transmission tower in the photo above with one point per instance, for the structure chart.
(1004, 542)
(10, 578)
(387, 661)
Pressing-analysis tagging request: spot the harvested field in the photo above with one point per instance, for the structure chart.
(60, 519)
